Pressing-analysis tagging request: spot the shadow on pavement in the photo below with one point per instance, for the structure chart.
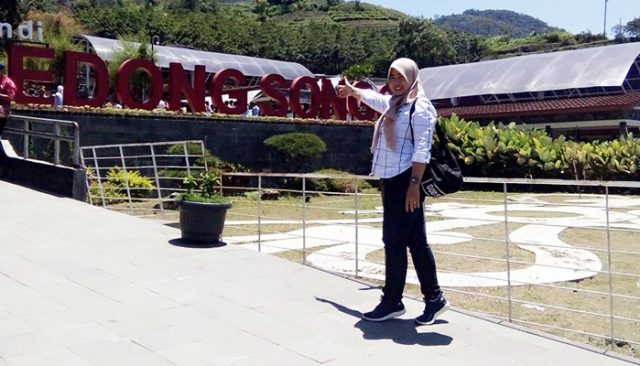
(401, 331)
(190, 244)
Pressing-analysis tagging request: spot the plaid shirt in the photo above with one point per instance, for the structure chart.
(388, 163)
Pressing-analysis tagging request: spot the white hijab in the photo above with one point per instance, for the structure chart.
(409, 70)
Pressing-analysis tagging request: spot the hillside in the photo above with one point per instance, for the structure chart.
(494, 22)
(327, 36)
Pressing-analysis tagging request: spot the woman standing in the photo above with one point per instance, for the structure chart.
(401, 150)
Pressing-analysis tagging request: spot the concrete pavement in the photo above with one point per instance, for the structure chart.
(81, 285)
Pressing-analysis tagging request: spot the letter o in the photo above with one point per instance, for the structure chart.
(123, 79)
(314, 102)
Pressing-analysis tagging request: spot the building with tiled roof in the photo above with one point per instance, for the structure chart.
(593, 92)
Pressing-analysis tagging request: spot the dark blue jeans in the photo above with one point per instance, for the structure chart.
(401, 229)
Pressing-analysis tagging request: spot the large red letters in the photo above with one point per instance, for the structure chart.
(306, 99)
(180, 86)
(20, 74)
(70, 77)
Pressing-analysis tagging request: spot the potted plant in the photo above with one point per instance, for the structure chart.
(202, 210)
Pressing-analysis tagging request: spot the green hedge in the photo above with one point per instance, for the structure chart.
(522, 151)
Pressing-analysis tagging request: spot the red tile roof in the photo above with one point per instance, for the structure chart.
(546, 107)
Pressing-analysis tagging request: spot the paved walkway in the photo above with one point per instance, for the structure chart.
(80, 285)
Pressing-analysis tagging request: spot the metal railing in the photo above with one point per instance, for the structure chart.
(50, 130)
(601, 300)
(123, 174)
(567, 263)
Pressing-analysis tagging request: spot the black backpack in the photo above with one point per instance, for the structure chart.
(442, 175)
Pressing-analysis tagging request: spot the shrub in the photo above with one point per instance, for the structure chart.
(346, 185)
(296, 148)
(139, 186)
(108, 193)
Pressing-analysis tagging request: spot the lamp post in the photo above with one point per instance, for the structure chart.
(604, 30)
(155, 39)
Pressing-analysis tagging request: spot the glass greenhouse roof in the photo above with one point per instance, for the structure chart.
(213, 61)
(585, 68)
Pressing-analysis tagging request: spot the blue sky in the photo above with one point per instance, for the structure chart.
(573, 15)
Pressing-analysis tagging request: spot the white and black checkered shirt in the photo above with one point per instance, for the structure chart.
(389, 162)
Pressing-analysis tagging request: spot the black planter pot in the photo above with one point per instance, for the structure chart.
(202, 222)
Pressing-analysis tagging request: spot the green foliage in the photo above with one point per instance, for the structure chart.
(345, 185)
(536, 42)
(358, 71)
(107, 191)
(423, 42)
(12, 11)
(195, 152)
(297, 148)
(139, 186)
(59, 29)
(512, 151)
(322, 44)
(327, 36)
(203, 189)
(632, 28)
(133, 47)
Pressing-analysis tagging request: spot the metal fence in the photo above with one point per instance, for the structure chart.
(562, 256)
(140, 177)
(568, 262)
(50, 140)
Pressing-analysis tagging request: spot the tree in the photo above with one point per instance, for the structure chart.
(10, 12)
(261, 9)
(425, 43)
(633, 27)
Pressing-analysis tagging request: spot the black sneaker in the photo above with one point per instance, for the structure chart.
(384, 311)
(432, 309)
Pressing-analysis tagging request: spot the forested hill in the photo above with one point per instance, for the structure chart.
(493, 23)
(327, 36)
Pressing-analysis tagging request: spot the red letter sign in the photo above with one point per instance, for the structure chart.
(19, 74)
(239, 95)
(331, 104)
(270, 85)
(123, 79)
(314, 97)
(71, 61)
(180, 85)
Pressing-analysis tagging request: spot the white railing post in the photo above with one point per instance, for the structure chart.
(259, 212)
(100, 186)
(25, 140)
(155, 174)
(76, 144)
(56, 144)
(304, 220)
(611, 317)
(356, 228)
(186, 158)
(126, 177)
(507, 251)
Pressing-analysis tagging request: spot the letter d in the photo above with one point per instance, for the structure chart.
(25, 31)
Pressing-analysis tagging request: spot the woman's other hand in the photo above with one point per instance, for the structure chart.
(412, 201)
